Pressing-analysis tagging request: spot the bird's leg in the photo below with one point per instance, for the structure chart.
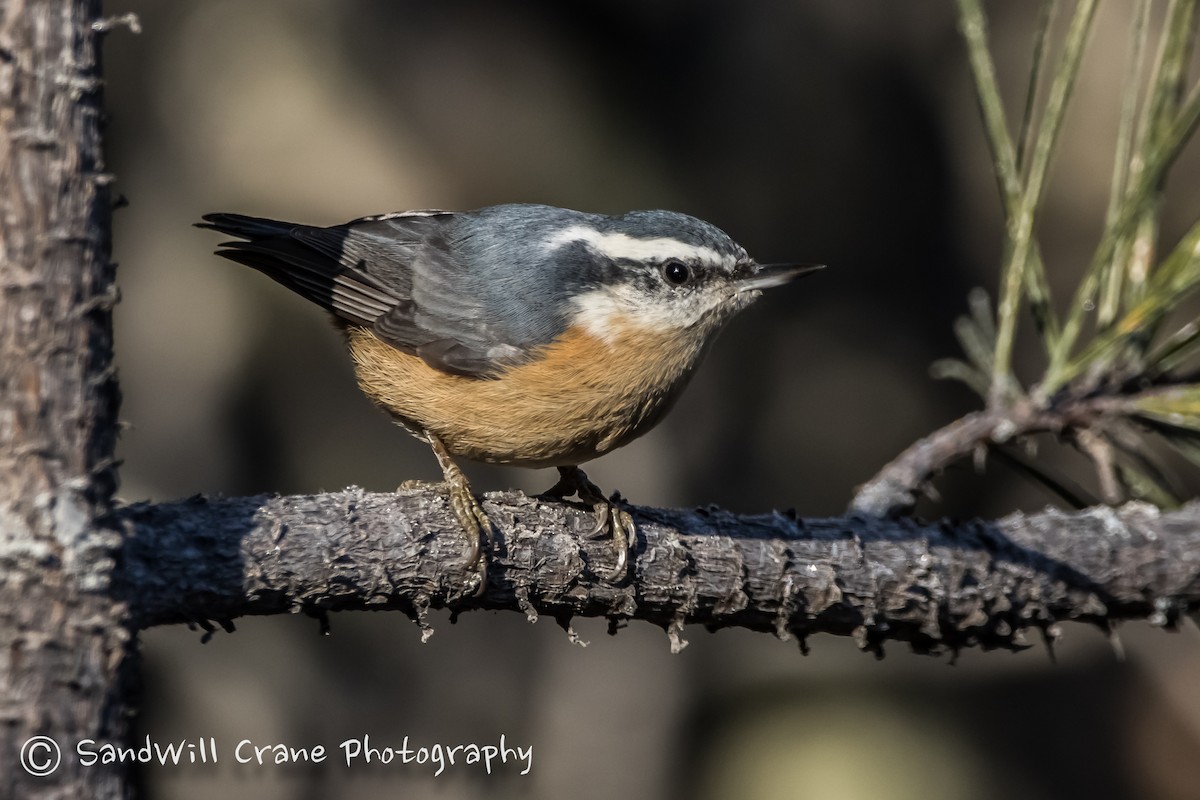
(609, 518)
(466, 508)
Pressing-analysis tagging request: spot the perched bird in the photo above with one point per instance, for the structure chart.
(517, 334)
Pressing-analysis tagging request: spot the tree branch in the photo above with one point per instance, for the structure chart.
(893, 490)
(937, 585)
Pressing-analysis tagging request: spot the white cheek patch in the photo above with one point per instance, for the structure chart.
(619, 245)
(600, 314)
(606, 312)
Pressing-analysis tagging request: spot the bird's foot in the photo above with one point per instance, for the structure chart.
(470, 514)
(609, 518)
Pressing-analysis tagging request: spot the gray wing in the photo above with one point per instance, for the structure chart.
(393, 274)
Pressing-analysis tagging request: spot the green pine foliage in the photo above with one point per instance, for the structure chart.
(1121, 367)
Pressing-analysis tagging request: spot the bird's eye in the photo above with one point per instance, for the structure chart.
(676, 272)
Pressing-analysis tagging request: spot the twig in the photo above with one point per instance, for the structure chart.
(893, 489)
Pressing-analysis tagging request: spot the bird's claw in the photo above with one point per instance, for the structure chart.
(476, 525)
(619, 523)
(609, 518)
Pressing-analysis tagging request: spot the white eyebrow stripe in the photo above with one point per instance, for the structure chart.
(615, 244)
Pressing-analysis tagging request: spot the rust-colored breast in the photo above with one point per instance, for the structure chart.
(582, 398)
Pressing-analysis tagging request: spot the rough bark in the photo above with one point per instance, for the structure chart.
(936, 585)
(62, 637)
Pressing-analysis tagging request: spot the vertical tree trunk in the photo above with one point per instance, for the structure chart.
(63, 641)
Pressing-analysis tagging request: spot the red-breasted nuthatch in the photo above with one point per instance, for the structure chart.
(517, 334)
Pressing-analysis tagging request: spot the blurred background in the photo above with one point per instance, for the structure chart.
(845, 133)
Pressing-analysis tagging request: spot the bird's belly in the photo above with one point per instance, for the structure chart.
(582, 399)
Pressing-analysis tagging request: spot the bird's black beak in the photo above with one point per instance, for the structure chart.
(764, 276)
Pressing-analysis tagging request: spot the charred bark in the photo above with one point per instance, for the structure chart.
(62, 634)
